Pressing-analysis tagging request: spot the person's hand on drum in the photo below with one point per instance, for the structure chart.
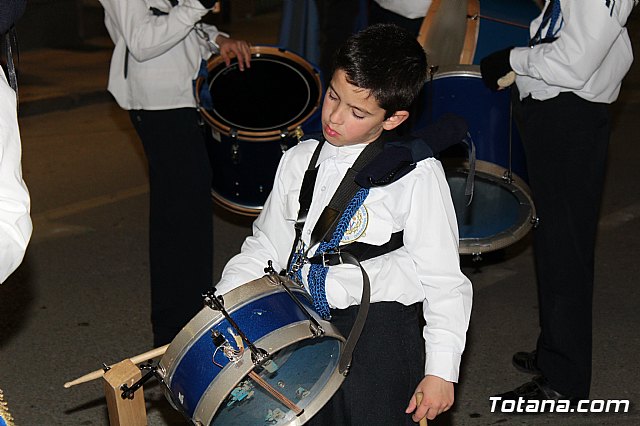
(437, 398)
(230, 47)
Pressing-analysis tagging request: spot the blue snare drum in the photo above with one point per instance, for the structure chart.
(501, 211)
(213, 389)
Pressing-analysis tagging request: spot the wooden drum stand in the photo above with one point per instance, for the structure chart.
(123, 410)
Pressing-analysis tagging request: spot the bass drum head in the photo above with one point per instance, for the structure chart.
(212, 389)
(274, 96)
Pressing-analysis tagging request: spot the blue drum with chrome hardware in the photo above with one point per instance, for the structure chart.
(216, 384)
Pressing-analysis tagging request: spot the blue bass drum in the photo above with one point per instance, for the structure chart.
(501, 211)
(212, 386)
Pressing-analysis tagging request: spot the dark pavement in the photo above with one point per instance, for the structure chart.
(80, 297)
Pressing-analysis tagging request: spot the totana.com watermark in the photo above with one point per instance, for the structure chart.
(522, 405)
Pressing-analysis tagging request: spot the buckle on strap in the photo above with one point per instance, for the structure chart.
(328, 258)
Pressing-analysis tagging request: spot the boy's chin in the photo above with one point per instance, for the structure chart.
(331, 140)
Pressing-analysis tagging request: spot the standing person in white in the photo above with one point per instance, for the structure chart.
(565, 80)
(15, 204)
(160, 45)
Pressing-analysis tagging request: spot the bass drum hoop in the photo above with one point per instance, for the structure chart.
(456, 70)
(203, 321)
(509, 182)
(241, 209)
(268, 135)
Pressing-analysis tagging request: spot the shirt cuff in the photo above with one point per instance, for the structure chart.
(445, 365)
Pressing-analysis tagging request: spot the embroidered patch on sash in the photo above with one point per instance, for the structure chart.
(357, 226)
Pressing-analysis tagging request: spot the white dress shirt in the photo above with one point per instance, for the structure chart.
(426, 269)
(164, 55)
(15, 205)
(590, 57)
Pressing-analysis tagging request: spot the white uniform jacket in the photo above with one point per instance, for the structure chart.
(425, 269)
(591, 55)
(164, 52)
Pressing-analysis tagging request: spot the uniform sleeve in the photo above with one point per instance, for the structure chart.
(272, 238)
(589, 30)
(431, 236)
(15, 222)
(148, 36)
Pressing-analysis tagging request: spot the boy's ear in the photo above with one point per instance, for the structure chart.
(395, 120)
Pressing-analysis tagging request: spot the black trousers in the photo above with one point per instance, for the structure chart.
(565, 140)
(180, 216)
(387, 365)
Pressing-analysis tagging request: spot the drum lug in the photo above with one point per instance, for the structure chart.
(235, 153)
(535, 221)
(507, 177)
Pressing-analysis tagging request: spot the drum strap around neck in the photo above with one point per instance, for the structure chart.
(325, 228)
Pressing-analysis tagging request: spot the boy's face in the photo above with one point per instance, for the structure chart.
(350, 115)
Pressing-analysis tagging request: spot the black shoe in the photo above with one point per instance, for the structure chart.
(537, 389)
(526, 362)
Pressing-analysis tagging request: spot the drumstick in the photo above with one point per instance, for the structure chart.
(136, 360)
(280, 397)
(423, 421)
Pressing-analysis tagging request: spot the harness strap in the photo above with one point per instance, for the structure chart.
(326, 225)
(361, 251)
(328, 220)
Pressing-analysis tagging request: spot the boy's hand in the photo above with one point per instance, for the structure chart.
(437, 398)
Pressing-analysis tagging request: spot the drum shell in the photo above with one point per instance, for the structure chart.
(243, 171)
(501, 211)
(270, 319)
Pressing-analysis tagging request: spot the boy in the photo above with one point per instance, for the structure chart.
(377, 74)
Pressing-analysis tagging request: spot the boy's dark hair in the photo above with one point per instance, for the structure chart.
(386, 60)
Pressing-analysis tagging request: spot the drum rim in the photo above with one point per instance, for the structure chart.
(238, 208)
(456, 70)
(270, 134)
(517, 187)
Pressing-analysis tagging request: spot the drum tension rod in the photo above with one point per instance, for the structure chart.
(314, 326)
(259, 356)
